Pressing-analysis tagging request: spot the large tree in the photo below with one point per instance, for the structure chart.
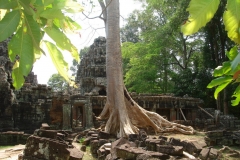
(124, 115)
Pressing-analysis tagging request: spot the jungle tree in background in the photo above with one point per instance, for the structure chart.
(217, 43)
(163, 47)
(57, 83)
(227, 71)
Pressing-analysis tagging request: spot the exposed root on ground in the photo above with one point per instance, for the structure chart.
(131, 117)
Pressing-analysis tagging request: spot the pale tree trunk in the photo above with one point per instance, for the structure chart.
(124, 115)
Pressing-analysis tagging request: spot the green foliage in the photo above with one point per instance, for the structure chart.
(231, 19)
(140, 72)
(21, 45)
(81, 140)
(226, 74)
(9, 24)
(158, 48)
(57, 83)
(130, 32)
(28, 21)
(201, 12)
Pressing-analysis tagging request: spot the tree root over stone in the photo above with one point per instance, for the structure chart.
(130, 117)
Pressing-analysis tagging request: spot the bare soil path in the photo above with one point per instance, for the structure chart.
(11, 152)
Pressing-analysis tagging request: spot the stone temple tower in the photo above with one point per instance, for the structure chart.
(91, 74)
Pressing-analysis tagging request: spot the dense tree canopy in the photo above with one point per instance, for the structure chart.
(159, 47)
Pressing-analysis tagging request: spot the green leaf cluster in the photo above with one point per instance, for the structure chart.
(226, 74)
(201, 12)
(27, 21)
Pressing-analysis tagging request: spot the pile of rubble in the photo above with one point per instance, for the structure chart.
(223, 137)
(50, 144)
(141, 146)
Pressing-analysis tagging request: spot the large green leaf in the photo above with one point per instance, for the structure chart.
(220, 88)
(8, 4)
(236, 94)
(58, 60)
(69, 26)
(201, 12)
(9, 24)
(18, 79)
(33, 30)
(52, 13)
(221, 70)
(62, 41)
(21, 45)
(232, 53)
(231, 19)
(219, 81)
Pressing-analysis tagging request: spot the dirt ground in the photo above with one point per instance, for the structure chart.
(11, 152)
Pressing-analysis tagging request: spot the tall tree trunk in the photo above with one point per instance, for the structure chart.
(124, 115)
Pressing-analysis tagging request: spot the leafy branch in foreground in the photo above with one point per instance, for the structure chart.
(27, 21)
(201, 12)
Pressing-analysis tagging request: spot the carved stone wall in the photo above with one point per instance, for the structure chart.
(91, 74)
(32, 107)
(6, 88)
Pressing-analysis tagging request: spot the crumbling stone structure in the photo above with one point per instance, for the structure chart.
(35, 104)
(51, 144)
(91, 74)
(6, 88)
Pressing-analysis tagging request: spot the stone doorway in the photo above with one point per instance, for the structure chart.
(79, 116)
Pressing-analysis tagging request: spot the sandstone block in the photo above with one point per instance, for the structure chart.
(204, 153)
(171, 150)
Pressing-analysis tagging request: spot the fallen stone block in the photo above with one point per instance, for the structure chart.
(47, 133)
(133, 152)
(94, 147)
(45, 148)
(171, 150)
(204, 153)
(213, 153)
(83, 148)
(45, 126)
(151, 144)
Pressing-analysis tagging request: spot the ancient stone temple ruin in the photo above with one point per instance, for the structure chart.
(91, 76)
(26, 109)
